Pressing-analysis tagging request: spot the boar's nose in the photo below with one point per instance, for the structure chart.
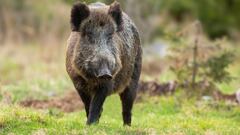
(104, 74)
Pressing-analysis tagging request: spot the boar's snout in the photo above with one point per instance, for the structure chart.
(102, 66)
(104, 74)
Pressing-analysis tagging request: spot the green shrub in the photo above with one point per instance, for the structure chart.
(219, 17)
(216, 67)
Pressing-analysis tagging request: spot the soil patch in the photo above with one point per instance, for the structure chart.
(153, 88)
(69, 103)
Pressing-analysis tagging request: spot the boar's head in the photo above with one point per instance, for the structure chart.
(97, 54)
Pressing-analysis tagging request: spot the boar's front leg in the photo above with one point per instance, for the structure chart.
(97, 103)
(80, 86)
(86, 100)
(129, 94)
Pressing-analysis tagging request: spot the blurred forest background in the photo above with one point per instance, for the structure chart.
(191, 47)
(170, 30)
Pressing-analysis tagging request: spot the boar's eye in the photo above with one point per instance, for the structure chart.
(88, 35)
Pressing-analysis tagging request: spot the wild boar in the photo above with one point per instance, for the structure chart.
(104, 56)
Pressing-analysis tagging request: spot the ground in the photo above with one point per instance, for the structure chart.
(31, 76)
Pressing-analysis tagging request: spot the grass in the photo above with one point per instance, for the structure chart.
(39, 74)
(164, 115)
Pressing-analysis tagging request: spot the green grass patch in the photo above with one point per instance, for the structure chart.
(156, 115)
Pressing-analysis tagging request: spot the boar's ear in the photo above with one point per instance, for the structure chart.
(79, 12)
(116, 13)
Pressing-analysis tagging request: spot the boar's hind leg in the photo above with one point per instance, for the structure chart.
(97, 103)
